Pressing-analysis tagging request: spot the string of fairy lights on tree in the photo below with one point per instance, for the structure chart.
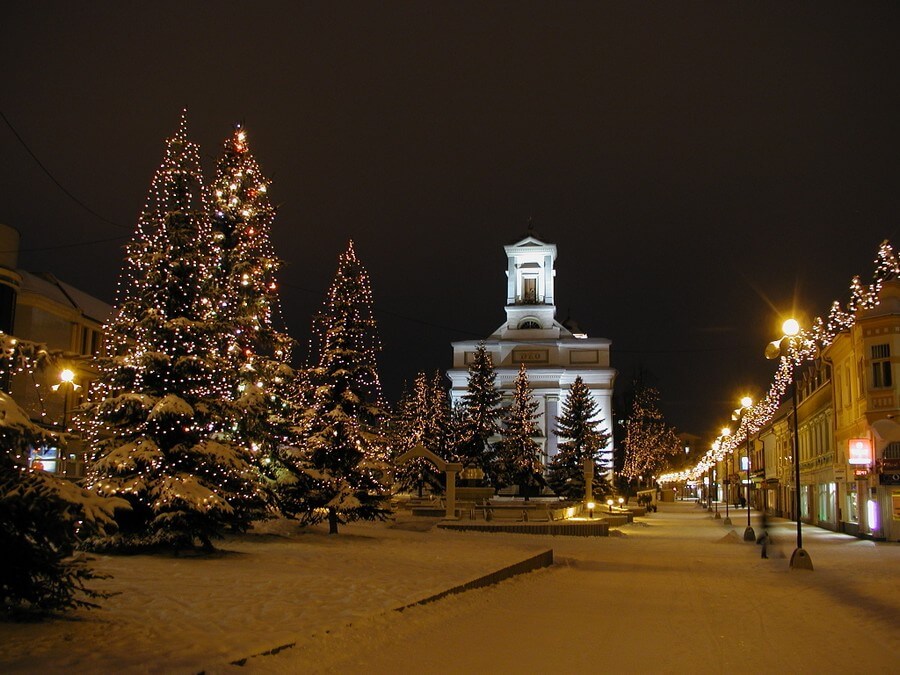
(804, 347)
(248, 304)
(156, 420)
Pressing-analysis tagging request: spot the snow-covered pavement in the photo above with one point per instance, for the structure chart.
(674, 591)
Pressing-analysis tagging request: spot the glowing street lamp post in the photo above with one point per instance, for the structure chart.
(726, 432)
(800, 559)
(746, 403)
(749, 534)
(66, 377)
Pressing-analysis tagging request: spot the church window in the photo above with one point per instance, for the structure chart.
(529, 324)
(529, 290)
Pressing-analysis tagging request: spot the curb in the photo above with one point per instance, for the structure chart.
(538, 561)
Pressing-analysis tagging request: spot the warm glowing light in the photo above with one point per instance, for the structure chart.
(726, 431)
(860, 451)
(746, 402)
(66, 375)
(791, 328)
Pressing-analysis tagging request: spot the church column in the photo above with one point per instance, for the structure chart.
(550, 414)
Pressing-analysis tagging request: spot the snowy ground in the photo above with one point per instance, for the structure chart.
(675, 591)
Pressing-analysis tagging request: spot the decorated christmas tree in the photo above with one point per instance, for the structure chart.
(581, 441)
(159, 424)
(339, 469)
(422, 418)
(649, 440)
(480, 414)
(518, 461)
(247, 309)
(41, 517)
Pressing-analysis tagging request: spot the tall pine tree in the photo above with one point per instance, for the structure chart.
(159, 421)
(339, 471)
(480, 414)
(518, 461)
(257, 354)
(582, 441)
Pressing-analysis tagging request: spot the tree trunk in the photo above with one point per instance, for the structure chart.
(332, 521)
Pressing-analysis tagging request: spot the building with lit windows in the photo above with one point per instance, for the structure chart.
(867, 419)
(554, 354)
(44, 310)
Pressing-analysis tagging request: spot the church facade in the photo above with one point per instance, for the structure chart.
(553, 354)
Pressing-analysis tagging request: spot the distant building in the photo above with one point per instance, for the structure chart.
(45, 310)
(554, 354)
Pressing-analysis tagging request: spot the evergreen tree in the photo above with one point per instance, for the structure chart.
(159, 418)
(481, 412)
(439, 429)
(40, 517)
(339, 470)
(414, 426)
(649, 440)
(584, 441)
(257, 354)
(518, 461)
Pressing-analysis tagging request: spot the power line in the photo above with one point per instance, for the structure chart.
(53, 178)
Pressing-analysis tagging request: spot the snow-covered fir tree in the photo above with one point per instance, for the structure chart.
(439, 430)
(247, 309)
(480, 415)
(518, 460)
(423, 416)
(159, 423)
(339, 469)
(649, 440)
(41, 517)
(581, 440)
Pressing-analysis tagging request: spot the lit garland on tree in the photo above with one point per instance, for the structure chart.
(518, 460)
(248, 305)
(802, 348)
(583, 441)
(649, 441)
(339, 472)
(413, 426)
(157, 424)
(422, 417)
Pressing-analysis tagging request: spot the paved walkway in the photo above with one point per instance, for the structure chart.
(675, 591)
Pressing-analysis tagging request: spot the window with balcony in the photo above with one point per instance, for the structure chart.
(881, 366)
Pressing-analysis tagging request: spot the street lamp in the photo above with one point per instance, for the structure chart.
(590, 506)
(609, 503)
(782, 348)
(726, 432)
(714, 486)
(749, 534)
(66, 377)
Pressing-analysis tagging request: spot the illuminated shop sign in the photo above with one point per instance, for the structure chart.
(860, 451)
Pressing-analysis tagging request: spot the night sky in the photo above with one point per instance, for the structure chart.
(702, 167)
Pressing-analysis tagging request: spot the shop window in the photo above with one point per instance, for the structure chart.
(851, 512)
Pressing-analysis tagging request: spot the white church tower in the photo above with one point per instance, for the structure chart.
(553, 355)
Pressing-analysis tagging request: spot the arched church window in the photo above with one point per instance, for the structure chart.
(529, 324)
